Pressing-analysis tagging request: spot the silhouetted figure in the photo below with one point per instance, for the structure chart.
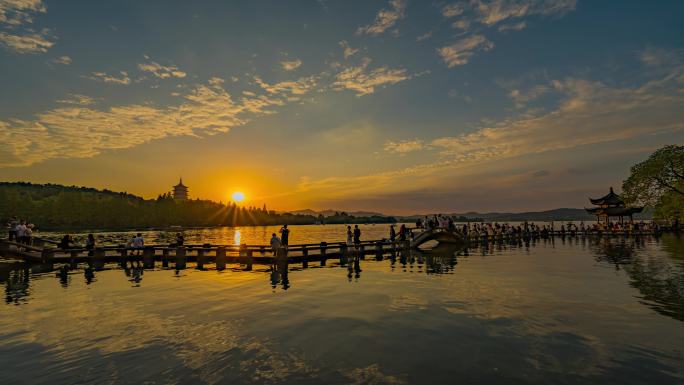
(65, 242)
(180, 240)
(402, 233)
(90, 244)
(284, 236)
(393, 234)
(357, 235)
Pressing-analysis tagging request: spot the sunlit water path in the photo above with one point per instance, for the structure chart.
(572, 311)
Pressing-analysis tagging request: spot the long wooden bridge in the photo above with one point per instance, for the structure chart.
(45, 251)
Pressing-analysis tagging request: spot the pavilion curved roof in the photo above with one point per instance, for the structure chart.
(610, 199)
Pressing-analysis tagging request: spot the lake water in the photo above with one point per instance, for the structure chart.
(573, 311)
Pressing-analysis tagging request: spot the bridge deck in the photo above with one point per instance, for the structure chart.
(44, 251)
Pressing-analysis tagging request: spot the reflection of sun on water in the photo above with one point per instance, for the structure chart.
(238, 236)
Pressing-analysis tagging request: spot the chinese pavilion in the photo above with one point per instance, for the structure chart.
(180, 191)
(611, 205)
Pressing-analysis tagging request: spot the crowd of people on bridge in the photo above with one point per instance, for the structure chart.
(20, 231)
(475, 230)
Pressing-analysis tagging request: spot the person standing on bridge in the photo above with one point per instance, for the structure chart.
(357, 235)
(20, 232)
(137, 243)
(90, 244)
(350, 236)
(65, 242)
(275, 243)
(12, 229)
(284, 236)
(393, 234)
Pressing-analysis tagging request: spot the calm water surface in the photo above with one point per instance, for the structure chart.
(563, 312)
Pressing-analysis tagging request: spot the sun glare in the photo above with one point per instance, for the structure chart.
(238, 196)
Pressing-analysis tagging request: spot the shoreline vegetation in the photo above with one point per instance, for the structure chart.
(53, 207)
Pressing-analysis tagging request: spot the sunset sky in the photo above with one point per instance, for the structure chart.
(401, 106)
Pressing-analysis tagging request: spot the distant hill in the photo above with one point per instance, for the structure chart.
(331, 213)
(562, 214)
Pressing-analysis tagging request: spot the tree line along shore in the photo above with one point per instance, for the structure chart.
(57, 207)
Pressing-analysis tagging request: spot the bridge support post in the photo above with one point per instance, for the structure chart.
(305, 258)
(123, 254)
(324, 247)
(180, 258)
(48, 254)
(378, 250)
(148, 257)
(98, 259)
(343, 254)
(73, 257)
(201, 258)
(250, 259)
(165, 257)
(221, 258)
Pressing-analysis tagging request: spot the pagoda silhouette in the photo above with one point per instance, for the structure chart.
(180, 191)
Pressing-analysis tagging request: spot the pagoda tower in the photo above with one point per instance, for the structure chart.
(180, 191)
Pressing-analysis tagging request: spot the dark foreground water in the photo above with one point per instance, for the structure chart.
(568, 312)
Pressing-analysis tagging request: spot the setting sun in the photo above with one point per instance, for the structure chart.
(238, 196)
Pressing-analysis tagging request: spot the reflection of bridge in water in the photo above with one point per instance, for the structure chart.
(660, 281)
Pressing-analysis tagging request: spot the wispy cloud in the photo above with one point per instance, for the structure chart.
(161, 71)
(18, 12)
(16, 17)
(403, 146)
(385, 19)
(77, 99)
(451, 10)
(121, 78)
(291, 65)
(364, 81)
(495, 11)
(36, 42)
(347, 50)
(591, 112)
(460, 52)
(513, 27)
(62, 60)
(523, 97)
(424, 36)
(79, 130)
(300, 86)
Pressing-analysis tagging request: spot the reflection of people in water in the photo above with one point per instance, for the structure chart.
(354, 269)
(17, 286)
(275, 277)
(136, 273)
(63, 275)
(89, 274)
(357, 268)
